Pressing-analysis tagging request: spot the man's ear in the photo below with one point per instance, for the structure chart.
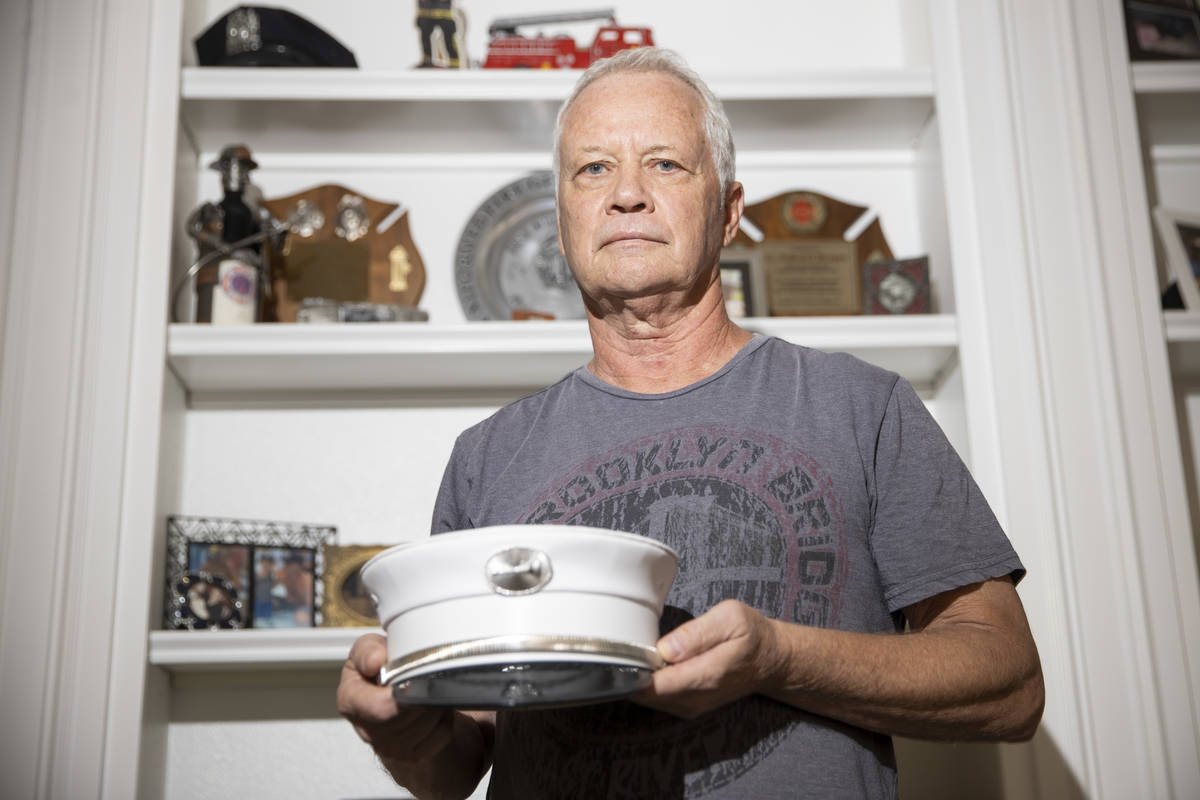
(735, 204)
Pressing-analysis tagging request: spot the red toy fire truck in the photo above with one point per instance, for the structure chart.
(509, 49)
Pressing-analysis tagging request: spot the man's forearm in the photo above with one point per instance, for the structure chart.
(957, 682)
(454, 772)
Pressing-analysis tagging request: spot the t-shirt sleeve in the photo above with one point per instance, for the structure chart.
(932, 530)
(453, 498)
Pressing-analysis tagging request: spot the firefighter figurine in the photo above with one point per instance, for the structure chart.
(440, 17)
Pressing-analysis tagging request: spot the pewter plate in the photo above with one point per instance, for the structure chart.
(508, 257)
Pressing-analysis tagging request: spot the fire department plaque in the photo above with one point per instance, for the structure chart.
(805, 278)
(810, 267)
(508, 264)
(343, 246)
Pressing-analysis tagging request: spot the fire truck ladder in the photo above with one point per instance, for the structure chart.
(507, 26)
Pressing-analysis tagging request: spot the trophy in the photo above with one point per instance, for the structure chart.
(232, 239)
(808, 266)
(344, 257)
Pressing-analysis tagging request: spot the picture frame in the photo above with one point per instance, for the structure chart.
(1162, 30)
(217, 576)
(347, 604)
(1180, 234)
(743, 282)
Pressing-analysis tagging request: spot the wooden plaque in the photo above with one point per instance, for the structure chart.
(343, 246)
(809, 266)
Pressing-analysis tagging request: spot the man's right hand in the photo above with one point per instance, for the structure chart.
(396, 733)
(432, 752)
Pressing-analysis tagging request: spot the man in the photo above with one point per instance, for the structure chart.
(815, 505)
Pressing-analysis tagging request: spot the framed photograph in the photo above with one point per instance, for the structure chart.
(1162, 29)
(285, 594)
(347, 604)
(743, 282)
(230, 573)
(1180, 233)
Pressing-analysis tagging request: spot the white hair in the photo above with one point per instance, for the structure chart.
(717, 130)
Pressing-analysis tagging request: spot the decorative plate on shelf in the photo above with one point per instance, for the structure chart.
(508, 264)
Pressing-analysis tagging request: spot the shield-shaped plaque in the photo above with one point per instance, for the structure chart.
(810, 268)
(344, 246)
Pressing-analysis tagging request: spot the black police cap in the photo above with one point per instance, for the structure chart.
(260, 36)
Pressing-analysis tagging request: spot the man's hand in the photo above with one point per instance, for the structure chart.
(434, 753)
(725, 654)
(968, 670)
(405, 735)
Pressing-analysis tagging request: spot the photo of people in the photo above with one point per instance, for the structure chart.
(212, 604)
(1158, 31)
(228, 561)
(734, 280)
(283, 587)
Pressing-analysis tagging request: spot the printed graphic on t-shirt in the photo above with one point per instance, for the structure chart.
(752, 518)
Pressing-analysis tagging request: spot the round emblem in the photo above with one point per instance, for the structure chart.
(518, 570)
(351, 218)
(804, 212)
(896, 292)
(306, 219)
(237, 281)
(508, 257)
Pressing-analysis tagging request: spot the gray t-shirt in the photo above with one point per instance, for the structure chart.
(812, 486)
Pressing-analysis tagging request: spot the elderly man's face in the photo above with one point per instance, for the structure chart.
(640, 210)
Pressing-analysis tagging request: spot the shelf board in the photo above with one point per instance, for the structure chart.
(1166, 77)
(1183, 344)
(1168, 104)
(233, 83)
(299, 648)
(481, 356)
(290, 111)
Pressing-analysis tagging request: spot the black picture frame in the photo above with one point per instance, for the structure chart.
(742, 282)
(211, 581)
(1167, 30)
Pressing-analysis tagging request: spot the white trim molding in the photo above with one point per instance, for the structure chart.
(1067, 309)
(66, 395)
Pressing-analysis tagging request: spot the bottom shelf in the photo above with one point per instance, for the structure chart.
(268, 649)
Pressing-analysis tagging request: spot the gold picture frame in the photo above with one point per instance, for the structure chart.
(346, 603)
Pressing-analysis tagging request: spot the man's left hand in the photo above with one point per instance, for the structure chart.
(724, 654)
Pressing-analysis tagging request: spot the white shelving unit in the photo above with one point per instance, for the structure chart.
(332, 414)
(865, 134)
